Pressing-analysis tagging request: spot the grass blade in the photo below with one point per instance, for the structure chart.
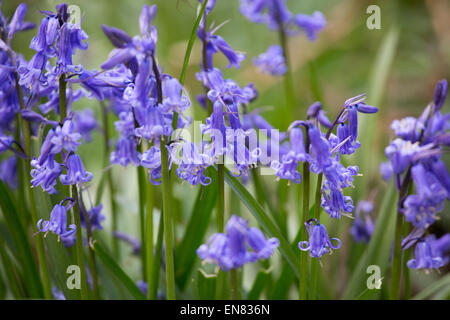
(112, 265)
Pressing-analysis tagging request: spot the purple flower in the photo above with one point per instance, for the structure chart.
(17, 24)
(408, 128)
(440, 247)
(424, 258)
(319, 243)
(336, 203)
(84, 123)
(440, 94)
(8, 172)
(58, 222)
(151, 159)
(95, 217)
(76, 174)
(311, 24)
(58, 294)
(230, 250)
(348, 144)
(125, 152)
(192, 164)
(262, 246)
(65, 138)
(386, 170)
(70, 39)
(363, 226)
(287, 168)
(315, 111)
(400, 154)
(45, 174)
(272, 61)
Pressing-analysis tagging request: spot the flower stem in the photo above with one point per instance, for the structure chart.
(304, 215)
(149, 240)
(141, 176)
(314, 262)
(221, 197)
(234, 284)
(168, 227)
(79, 244)
(26, 135)
(394, 293)
(62, 98)
(93, 263)
(109, 181)
(288, 77)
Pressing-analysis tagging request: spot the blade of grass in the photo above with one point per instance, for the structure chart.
(195, 232)
(112, 265)
(433, 288)
(379, 247)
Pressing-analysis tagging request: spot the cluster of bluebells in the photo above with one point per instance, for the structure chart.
(415, 157)
(238, 246)
(276, 15)
(38, 81)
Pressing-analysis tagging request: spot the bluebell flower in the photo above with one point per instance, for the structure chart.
(320, 150)
(287, 168)
(65, 138)
(214, 44)
(151, 159)
(363, 225)
(76, 174)
(335, 203)
(424, 258)
(349, 145)
(315, 111)
(440, 247)
(230, 250)
(262, 246)
(408, 128)
(440, 94)
(70, 39)
(8, 172)
(319, 243)
(153, 123)
(17, 22)
(311, 24)
(84, 123)
(45, 174)
(421, 209)
(125, 152)
(400, 154)
(95, 217)
(192, 164)
(58, 222)
(272, 61)
(175, 97)
(386, 170)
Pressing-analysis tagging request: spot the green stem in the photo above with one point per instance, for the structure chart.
(221, 197)
(26, 135)
(168, 227)
(109, 181)
(394, 293)
(149, 240)
(304, 215)
(79, 243)
(157, 258)
(62, 98)
(141, 176)
(314, 262)
(234, 284)
(397, 259)
(288, 77)
(93, 264)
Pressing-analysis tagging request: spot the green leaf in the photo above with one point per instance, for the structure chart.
(441, 284)
(112, 266)
(380, 245)
(196, 229)
(258, 285)
(206, 285)
(264, 220)
(21, 241)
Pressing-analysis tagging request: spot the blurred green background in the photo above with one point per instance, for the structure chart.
(343, 62)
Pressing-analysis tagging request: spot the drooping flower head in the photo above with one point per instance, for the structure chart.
(319, 243)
